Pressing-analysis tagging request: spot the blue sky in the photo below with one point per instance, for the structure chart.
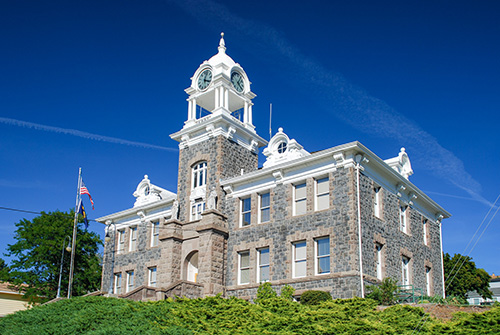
(100, 85)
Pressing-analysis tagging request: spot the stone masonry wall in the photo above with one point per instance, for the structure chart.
(224, 159)
(145, 256)
(386, 231)
(337, 222)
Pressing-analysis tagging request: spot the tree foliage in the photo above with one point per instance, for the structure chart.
(36, 257)
(462, 276)
(4, 271)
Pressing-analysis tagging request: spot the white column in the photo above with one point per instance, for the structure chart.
(226, 98)
(221, 97)
(193, 109)
(250, 113)
(190, 110)
(217, 100)
(245, 113)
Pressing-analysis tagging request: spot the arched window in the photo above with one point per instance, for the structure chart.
(199, 175)
(192, 267)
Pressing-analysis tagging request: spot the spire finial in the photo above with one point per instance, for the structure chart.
(222, 44)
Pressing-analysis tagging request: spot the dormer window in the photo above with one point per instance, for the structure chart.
(147, 193)
(282, 147)
(200, 174)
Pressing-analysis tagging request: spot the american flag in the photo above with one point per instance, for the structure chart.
(84, 190)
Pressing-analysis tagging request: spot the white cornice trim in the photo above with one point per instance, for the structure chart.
(220, 122)
(134, 210)
(342, 156)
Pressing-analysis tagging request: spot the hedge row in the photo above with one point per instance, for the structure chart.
(216, 315)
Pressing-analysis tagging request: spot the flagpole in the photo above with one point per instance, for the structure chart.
(73, 247)
(270, 117)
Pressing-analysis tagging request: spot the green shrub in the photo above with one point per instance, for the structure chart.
(385, 293)
(217, 315)
(287, 292)
(265, 292)
(314, 297)
(455, 300)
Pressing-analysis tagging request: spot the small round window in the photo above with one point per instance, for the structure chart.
(146, 190)
(282, 147)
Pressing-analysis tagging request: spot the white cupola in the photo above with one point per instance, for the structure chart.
(282, 149)
(220, 83)
(220, 103)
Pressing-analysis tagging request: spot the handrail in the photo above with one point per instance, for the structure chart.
(406, 292)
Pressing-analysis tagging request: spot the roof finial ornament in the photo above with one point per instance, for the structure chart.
(222, 44)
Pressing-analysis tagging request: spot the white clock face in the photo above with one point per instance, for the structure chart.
(237, 81)
(204, 79)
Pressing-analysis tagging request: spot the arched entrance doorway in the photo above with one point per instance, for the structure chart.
(192, 266)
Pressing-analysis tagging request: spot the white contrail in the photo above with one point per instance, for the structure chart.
(337, 95)
(83, 134)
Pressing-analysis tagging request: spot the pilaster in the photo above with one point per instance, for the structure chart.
(213, 236)
(169, 265)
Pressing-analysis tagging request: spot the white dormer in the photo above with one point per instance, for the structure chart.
(401, 163)
(282, 149)
(147, 193)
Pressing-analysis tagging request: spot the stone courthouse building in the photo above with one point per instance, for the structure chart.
(333, 220)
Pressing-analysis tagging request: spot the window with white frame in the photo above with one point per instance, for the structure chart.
(155, 233)
(425, 231)
(121, 241)
(428, 280)
(376, 202)
(263, 265)
(197, 208)
(403, 224)
(322, 251)
(322, 199)
(405, 268)
(133, 239)
(130, 280)
(199, 176)
(264, 207)
(300, 199)
(117, 289)
(152, 276)
(299, 259)
(246, 211)
(244, 267)
(378, 251)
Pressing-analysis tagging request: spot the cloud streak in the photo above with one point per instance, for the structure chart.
(82, 134)
(350, 103)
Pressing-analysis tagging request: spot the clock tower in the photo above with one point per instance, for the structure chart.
(218, 139)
